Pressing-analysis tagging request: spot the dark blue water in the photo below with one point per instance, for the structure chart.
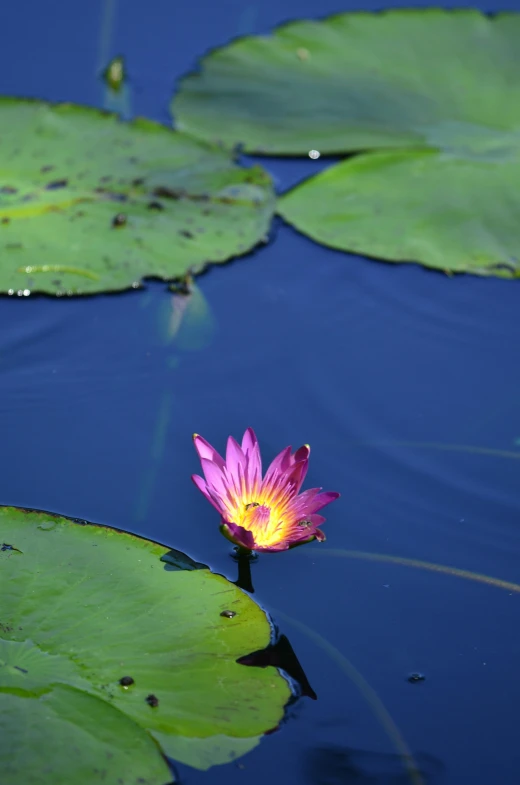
(405, 382)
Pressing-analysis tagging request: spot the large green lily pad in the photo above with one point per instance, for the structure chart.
(452, 214)
(90, 203)
(433, 93)
(360, 81)
(84, 606)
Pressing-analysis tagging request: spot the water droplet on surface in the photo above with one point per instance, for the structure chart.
(314, 154)
(19, 293)
(26, 292)
(47, 526)
(228, 614)
(413, 678)
(136, 285)
(10, 291)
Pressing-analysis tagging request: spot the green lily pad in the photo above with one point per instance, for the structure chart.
(63, 735)
(451, 214)
(89, 203)
(84, 607)
(361, 81)
(433, 93)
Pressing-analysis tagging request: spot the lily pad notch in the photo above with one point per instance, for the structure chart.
(427, 100)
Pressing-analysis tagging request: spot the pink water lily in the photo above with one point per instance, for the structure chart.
(268, 514)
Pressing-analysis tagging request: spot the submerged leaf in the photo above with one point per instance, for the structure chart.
(89, 203)
(101, 629)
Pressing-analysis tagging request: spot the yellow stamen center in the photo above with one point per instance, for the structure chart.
(264, 522)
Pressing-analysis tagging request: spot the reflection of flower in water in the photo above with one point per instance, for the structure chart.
(266, 514)
(190, 323)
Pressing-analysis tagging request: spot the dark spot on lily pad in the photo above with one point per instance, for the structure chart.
(152, 701)
(46, 169)
(155, 206)
(186, 233)
(228, 614)
(8, 189)
(119, 220)
(57, 184)
(169, 193)
(118, 197)
(5, 220)
(126, 681)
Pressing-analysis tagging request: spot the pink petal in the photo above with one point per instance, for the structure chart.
(307, 536)
(278, 466)
(303, 539)
(322, 499)
(235, 459)
(253, 473)
(304, 500)
(238, 535)
(293, 476)
(302, 454)
(205, 450)
(214, 477)
(203, 488)
(249, 440)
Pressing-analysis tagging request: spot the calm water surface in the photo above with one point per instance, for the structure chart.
(405, 382)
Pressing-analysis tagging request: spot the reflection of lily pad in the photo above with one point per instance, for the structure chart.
(438, 87)
(85, 606)
(89, 203)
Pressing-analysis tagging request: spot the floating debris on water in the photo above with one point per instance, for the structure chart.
(115, 73)
(413, 678)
